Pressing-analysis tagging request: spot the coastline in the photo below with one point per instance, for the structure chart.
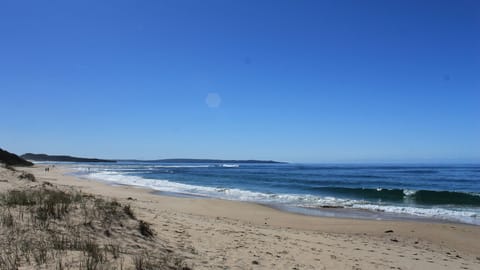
(237, 234)
(328, 212)
(323, 191)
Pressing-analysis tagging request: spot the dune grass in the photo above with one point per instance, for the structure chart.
(48, 228)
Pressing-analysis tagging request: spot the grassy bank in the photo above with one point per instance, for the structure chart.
(45, 227)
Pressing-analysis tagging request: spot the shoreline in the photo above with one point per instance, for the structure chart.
(230, 233)
(341, 212)
(282, 208)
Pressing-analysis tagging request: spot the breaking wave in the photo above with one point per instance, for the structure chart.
(354, 198)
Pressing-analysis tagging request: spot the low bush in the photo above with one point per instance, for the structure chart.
(27, 176)
(145, 229)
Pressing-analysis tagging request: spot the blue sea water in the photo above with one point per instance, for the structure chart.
(444, 192)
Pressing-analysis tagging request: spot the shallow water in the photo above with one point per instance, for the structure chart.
(442, 192)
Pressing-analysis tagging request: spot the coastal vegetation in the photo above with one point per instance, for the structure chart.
(65, 158)
(10, 159)
(61, 158)
(44, 226)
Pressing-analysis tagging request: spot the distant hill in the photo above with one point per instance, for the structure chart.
(44, 157)
(193, 160)
(12, 160)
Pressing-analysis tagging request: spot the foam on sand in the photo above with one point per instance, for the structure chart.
(470, 216)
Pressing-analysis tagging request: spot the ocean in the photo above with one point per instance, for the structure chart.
(424, 192)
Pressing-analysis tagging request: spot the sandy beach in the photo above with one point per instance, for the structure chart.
(221, 234)
(180, 135)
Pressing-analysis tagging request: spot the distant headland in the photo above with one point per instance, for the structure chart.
(61, 158)
(11, 159)
(65, 158)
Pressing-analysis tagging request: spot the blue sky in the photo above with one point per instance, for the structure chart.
(301, 81)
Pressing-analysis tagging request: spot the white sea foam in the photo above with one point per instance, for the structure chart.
(408, 192)
(218, 192)
(136, 167)
(471, 216)
(465, 216)
(181, 166)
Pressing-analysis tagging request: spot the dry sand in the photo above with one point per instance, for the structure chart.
(220, 234)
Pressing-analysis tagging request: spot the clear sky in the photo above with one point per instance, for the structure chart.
(301, 81)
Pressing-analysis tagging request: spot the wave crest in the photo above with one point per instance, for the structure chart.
(359, 201)
(425, 197)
